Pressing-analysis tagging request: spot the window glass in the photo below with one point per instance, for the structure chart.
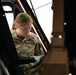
(44, 15)
(10, 19)
(7, 8)
(9, 15)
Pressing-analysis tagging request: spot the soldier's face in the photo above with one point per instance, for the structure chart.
(24, 29)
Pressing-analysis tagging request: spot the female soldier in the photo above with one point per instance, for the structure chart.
(25, 40)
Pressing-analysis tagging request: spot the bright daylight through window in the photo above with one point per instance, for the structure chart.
(44, 14)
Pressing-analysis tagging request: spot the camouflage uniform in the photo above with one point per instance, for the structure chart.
(28, 46)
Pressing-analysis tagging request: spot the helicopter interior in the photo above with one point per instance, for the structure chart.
(69, 30)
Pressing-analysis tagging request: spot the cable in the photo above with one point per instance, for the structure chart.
(43, 5)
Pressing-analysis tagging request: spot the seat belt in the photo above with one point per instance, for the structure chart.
(56, 60)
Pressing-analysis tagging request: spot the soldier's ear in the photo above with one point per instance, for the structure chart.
(16, 25)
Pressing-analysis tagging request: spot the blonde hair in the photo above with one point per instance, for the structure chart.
(21, 19)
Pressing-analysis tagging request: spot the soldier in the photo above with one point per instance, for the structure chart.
(25, 40)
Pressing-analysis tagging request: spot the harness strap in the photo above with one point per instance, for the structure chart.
(58, 17)
(58, 24)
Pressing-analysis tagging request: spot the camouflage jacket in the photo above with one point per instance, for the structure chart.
(28, 46)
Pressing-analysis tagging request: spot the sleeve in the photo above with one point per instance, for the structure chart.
(38, 49)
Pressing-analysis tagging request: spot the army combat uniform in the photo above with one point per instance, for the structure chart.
(27, 47)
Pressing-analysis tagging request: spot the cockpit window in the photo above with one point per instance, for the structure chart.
(44, 13)
(7, 8)
(9, 15)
